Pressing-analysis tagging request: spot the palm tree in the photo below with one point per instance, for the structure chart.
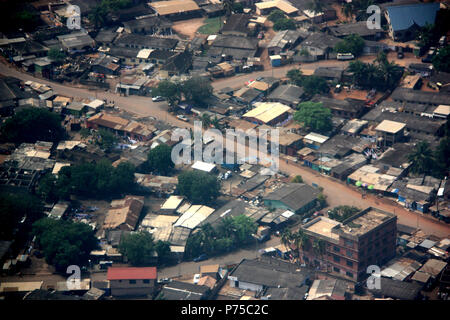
(315, 6)
(286, 237)
(228, 7)
(301, 241)
(348, 10)
(206, 120)
(421, 158)
(98, 15)
(215, 122)
(319, 248)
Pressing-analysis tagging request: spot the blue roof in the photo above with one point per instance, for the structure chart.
(403, 17)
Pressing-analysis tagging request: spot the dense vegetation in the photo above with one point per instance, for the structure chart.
(160, 160)
(32, 124)
(314, 116)
(140, 249)
(230, 234)
(311, 84)
(340, 213)
(99, 180)
(350, 44)
(199, 187)
(64, 243)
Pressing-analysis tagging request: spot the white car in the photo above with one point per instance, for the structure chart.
(157, 99)
(183, 117)
(196, 278)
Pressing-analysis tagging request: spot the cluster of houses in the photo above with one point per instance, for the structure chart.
(367, 148)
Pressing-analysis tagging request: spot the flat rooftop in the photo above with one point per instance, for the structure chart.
(365, 222)
(323, 226)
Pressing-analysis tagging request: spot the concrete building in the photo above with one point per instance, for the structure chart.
(132, 281)
(366, 238)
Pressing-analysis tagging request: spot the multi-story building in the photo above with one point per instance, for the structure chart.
(366, 238)
(132, 281)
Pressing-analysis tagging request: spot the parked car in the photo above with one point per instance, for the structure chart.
(201, 257)
(338, 88)
(345, 56)
(196, 278)
(157, 99)
(227, 175)
(183, 117)
(400, 54)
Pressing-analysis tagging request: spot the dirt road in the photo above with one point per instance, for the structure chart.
(337, 192)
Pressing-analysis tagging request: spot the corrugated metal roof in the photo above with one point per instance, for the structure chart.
(403, 17)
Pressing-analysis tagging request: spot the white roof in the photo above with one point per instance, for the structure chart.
(287, 214)
(443, 110)
(94, 104)
(203, 166)
(211, 37)
(172, 203)
(144, 53)
(194, 216)
(390, 126)
(58, 167)
(316, 137)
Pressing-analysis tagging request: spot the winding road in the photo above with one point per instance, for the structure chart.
(337, 192)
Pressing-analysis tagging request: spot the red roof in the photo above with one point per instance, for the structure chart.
(131, 273)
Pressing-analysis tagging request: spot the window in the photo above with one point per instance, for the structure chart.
(132, 281)
(146, 281)
(336, 269)
(349, 274)
(336, 249)
(349, 254)
(336, 259)
(349, 263)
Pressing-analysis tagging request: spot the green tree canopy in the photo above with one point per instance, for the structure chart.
(350, 44)
(168, 90)
(314, 116)
(284, 24)
(56, 55)
(295, 76)
(340, 213)
(160, 160)
(32, 124)
(106, 139)
(95, 180)
(139, 248)
(199, 187)
(315, 85)
(15, 206)
(441, 61)
(64, 242)
(276, 15)
(421, 158)
(197, 90)
(297, 179)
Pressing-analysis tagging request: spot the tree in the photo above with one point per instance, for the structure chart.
(32, 124)
(301, 241)
(316, 6)
(315, 85)
(286, 237)
(64, 242)
(206, 120)
(244, 227)
(442, 157)
(98, 15)
(47, 189)
(197, 90)
(322, 199)
(341, 213)
(168, 90)
(228, 7)
(106, 139)
(97, 180)
(319, 248)
(295, 76)
(238, 7)
(314, 116)
(350, 44)
(56, 55)
(160, 159)
(162, 248)
(284, 24)
(276, 15)
(139, 248)
(13, 208)
(421, 158)
(348, 10)
(199, 187)
(297, 179)
(441, 61)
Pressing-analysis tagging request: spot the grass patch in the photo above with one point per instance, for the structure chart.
(211, 26)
